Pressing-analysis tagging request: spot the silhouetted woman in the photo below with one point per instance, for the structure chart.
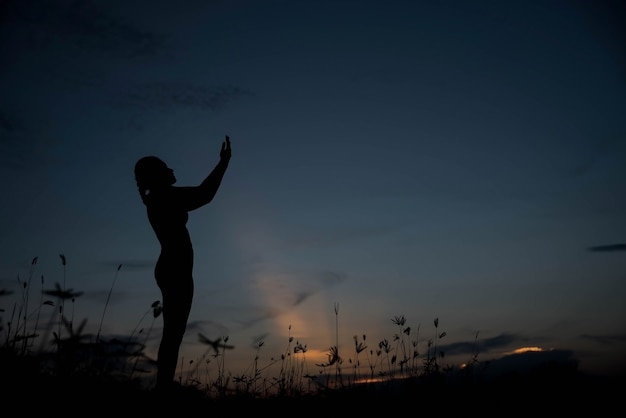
(167, 207)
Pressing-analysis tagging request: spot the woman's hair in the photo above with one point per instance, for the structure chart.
(150, 172)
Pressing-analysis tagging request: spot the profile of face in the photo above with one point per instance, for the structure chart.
(152, 173)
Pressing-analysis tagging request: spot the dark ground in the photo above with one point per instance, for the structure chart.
(26, 389)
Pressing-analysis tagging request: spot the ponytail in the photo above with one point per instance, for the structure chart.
(143, 193)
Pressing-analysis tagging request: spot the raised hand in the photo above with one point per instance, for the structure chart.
(225, 152)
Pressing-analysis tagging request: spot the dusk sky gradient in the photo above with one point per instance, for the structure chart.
(449, 159)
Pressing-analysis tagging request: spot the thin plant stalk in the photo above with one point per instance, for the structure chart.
(107, 303)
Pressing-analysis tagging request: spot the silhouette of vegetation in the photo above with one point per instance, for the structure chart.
(60, 361)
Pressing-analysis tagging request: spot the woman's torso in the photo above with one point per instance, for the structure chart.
(169, 223)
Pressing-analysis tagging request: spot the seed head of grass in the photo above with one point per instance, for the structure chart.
(61, 293)
(399, 320)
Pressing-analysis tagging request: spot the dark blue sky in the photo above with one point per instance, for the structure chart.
(429, 159)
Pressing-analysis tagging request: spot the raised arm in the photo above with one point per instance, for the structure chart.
(196, 196)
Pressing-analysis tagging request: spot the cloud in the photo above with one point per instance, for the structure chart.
(44, 42)
(283, 291)
(329, 278)
(21, 146)
(167, 94)
(324, 237)
(600, 154)
(12, 154)
(608, 248)
(292, 288)
(81, 24)
(212, 329)
(530, 362)
(606, 339)
(605, 20)
(482, 346)
(259, 315)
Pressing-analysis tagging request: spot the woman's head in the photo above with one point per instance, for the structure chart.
(152, 173)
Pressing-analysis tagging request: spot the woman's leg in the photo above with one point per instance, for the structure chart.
(177, 299)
